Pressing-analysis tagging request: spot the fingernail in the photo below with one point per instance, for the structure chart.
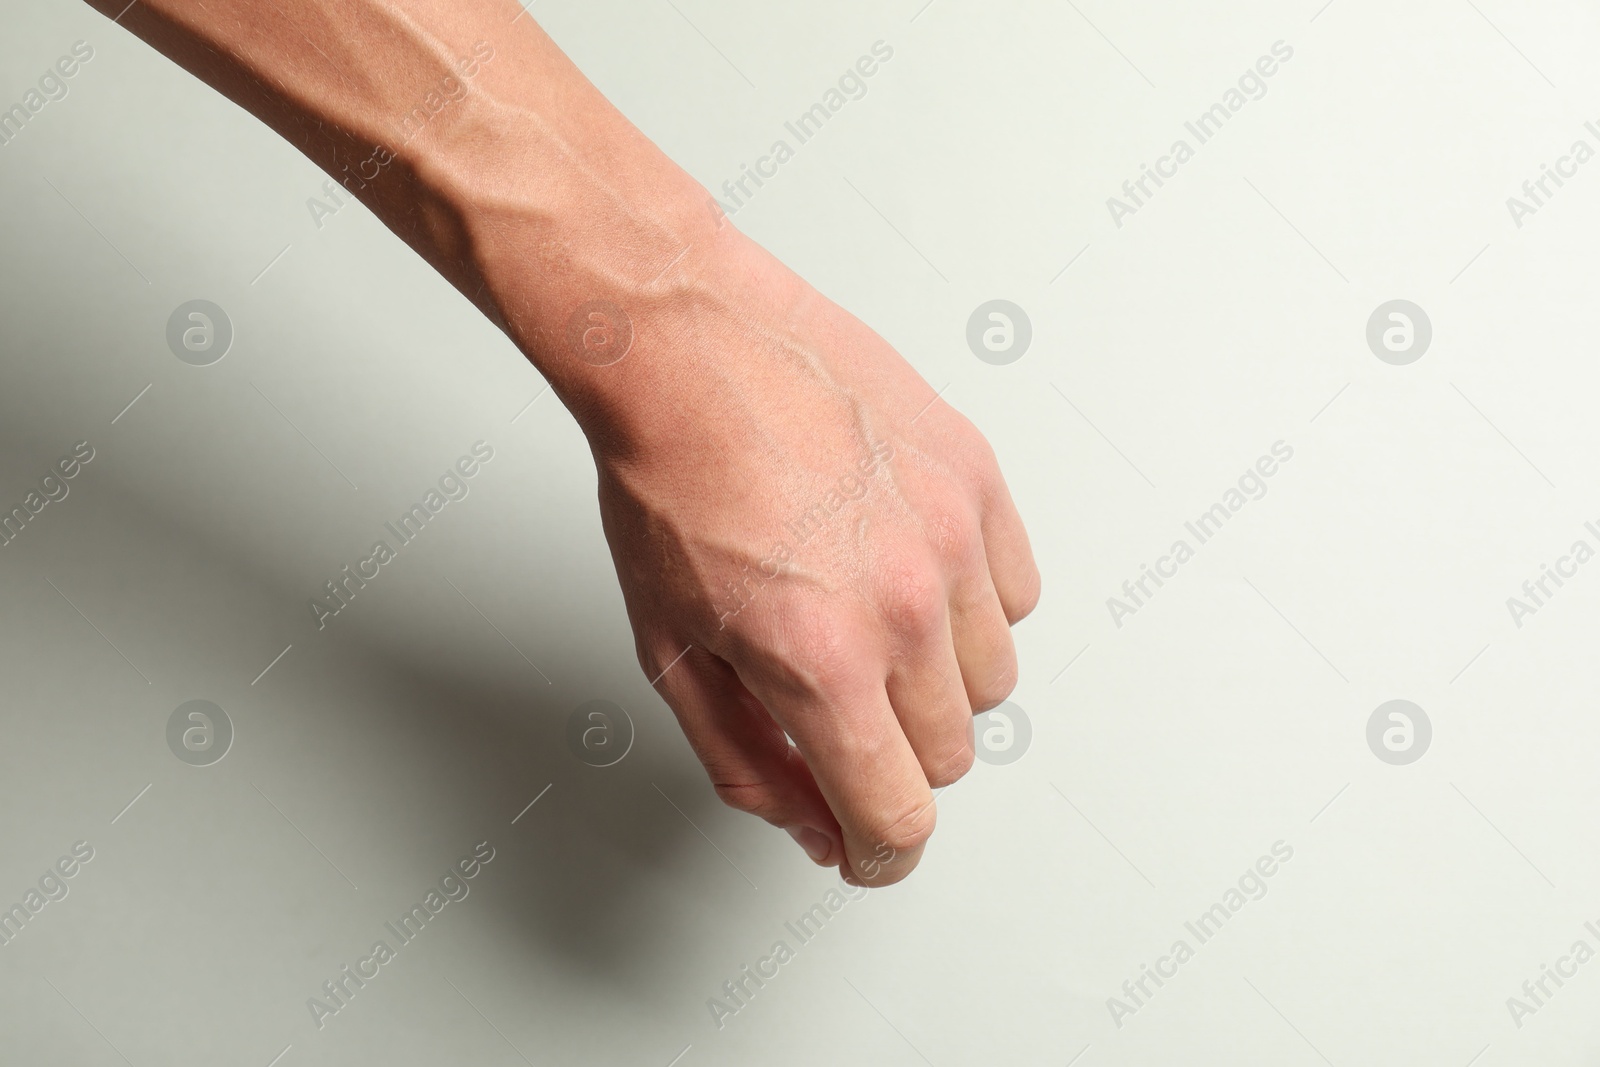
(816, 844)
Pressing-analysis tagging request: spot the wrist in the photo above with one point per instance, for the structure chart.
(610, 270)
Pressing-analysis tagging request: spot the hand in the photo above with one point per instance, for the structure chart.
(840, 558)
(782, 495)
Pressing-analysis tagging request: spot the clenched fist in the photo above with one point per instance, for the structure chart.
(838, 554)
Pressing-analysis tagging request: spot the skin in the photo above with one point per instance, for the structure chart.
(870, 632)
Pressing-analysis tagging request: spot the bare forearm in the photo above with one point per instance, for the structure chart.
(469, 133)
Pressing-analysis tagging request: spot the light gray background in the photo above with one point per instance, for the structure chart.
(1227, 715)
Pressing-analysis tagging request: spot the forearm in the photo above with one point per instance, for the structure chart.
(469, 133)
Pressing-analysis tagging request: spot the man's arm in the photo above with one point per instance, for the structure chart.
(841, 560)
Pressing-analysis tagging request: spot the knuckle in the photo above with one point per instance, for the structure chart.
(818, 642)
(977, 453)
(1000, 684)
(914, 600)
(801, 649)
(953, 533)
(907, 831)
(1028, 595)
(953, 767)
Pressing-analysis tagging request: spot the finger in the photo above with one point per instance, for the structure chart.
(752, 765)
(977, 626)
(926, 690)
(981, 633)
(861, 760)
(1011, 565)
